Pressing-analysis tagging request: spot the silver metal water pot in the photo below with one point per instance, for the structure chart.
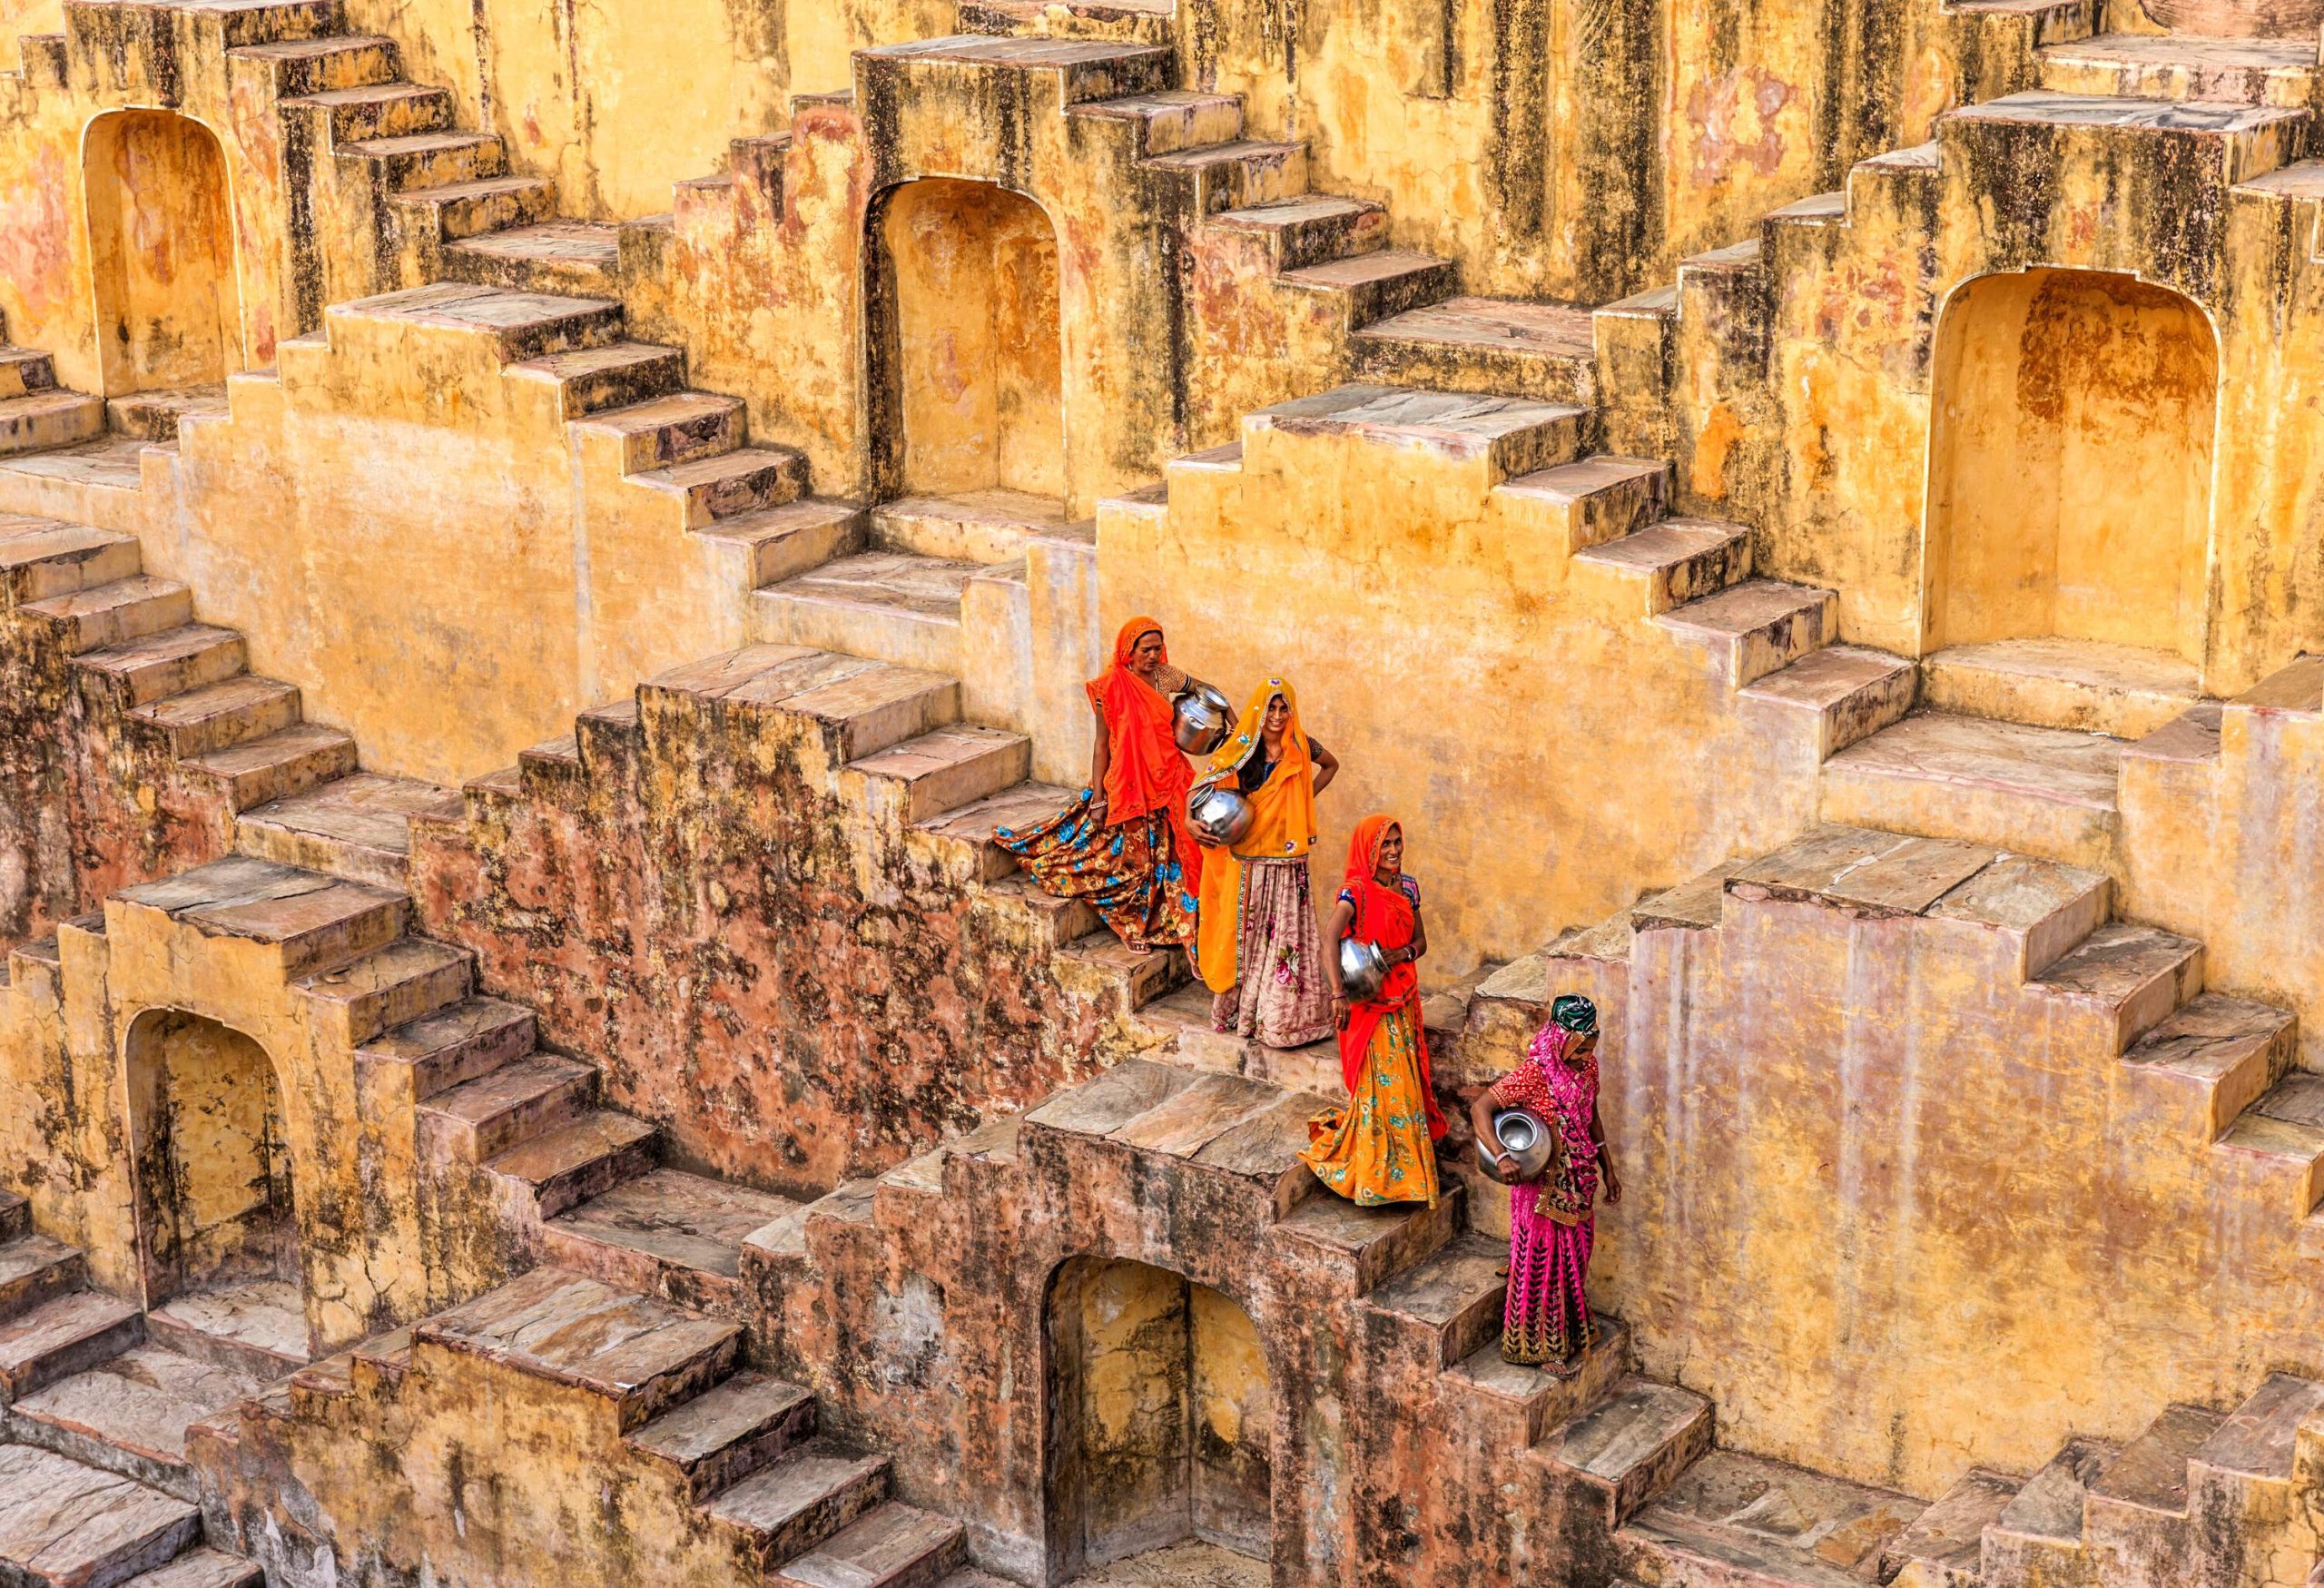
(1525, 1135)
(1364, 969)
(1218, 813)
(1201, 719)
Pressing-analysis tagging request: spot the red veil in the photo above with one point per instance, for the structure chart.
(1385, 916)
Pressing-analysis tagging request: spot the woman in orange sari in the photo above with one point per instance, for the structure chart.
(1257, 949)
(1123, 845)
(1382, 1147)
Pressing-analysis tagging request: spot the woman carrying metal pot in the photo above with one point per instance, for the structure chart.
(1546, 1321)
(1381, 1147)
(1123, 845)
(1257, 947)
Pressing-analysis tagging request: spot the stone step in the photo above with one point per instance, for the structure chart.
(2214, 144)
(259, 22)
(2223, 1053)
(278, 766)
(1627, 1448)
(1097, 956)
(24, 371)
(128, 1416)
(305, 68)
(1751, 629)
(160, 416)
(457, 1043)
(614, 375)
(730, 1431)
(962, 839)
(40, 420)
(779, 543)
(2039, 791)
(734, 483)
(61, 1337)
(665, 1233)
(1865, 870)
(1378, 283)
(41, 557)
(356, 827)
(977, 526)
(65, 1525)
(664, 431)
(1675, 561)
(574, 1163)
(892, 607)
(2143, 1491)
(797, 1502)
(2038, 1536)
(2080, 686)
(106, 462)
(1730, 1520)
(1236, 175)
(955, 765)
(2240, 71)
(36, 1270)
(1172, 120)
(2131, 977)
(152, 667)
(255, 1327)
(892, 1545)
(521, 326)
(1941, 1546)
(1839, 695)
(1085, 71)
(115, 613)
(2285, 1128)
(581, 257)
(1523, 1403)
(431, 159)
(1371, 1244)
(217, 716)
(203, 1567)
(1508, 345)
(1511, 436)
(1448, 1304)
(641, 1357)
(1598, 498)
(2259, 1440)
(855, 706)
(380, 110)
(483, 1119)
(314, 921)
(1307, 231)
(458, 209)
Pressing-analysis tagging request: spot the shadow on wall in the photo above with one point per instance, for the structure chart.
(1160, 1418)
(161, 243)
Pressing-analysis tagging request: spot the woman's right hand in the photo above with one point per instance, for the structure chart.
(1504, 1169)
(1339, 1011)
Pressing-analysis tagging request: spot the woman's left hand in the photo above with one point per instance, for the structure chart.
(1614, 1186)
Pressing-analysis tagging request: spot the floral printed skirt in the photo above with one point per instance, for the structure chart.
(1280, 997)
(1546, 1319)
(1377, 1149)
(1128, 872)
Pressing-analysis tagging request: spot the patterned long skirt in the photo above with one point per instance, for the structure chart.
(1128, 872)
(1377, 1149)
(1545, 1321)
(1280, 997)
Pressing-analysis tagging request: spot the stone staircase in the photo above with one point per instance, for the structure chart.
(652, 1391)
(95, 1398)
(36, 413)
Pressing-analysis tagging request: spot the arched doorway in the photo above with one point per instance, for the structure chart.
(967, 365)
(1161, 1418)
(162, 251)
(2070, 478)
(215, 1209)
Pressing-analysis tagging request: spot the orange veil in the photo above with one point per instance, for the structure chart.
(1146, 771)
(1284, 828)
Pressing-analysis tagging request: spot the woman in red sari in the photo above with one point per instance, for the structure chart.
(1123, 845)
(1382, 1147)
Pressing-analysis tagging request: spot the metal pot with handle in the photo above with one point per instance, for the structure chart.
(1218, 813)
(1524, 1137)
(1364, 969)
(1200, 720)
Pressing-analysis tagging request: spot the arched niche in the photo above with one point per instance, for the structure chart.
(214, 1197)
(2070, 475)
(1160, 1418)
(967, 349)
(161, 251)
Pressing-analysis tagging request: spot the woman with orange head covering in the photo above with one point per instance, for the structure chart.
(1382, 1147)
(1123, 845)
(1257, 949)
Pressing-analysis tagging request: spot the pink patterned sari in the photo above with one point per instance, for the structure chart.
(1546, 1319)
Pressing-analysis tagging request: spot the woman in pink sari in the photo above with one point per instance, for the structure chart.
(1546, 1322)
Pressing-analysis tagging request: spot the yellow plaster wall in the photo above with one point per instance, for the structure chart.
(213, 1163)
(161, 251)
